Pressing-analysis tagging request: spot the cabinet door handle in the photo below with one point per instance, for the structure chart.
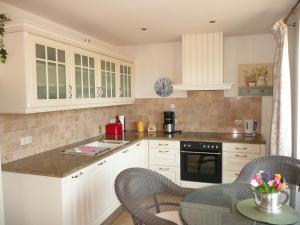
(241, 156)
(163, 144)
(243, 148)
(163, 151)
(98, 92)
(101, 163)
(163, 169)
(78, 175)
(125, 151)
(70, 91)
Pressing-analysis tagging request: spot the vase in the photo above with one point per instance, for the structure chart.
(261, 81)
(270, 202)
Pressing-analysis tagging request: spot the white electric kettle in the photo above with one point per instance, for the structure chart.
(250, 126)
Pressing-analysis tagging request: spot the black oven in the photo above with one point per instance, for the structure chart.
(201, 161)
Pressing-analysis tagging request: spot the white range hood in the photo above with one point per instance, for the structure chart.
(202, 62)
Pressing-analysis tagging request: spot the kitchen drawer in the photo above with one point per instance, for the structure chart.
(164, 144)
(167, 157)
(239, 147)
(230, 176)
(171, 172)
(236, 161)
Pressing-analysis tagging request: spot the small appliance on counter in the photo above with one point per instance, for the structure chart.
(250, 127)
(169, 123)
(115, 128)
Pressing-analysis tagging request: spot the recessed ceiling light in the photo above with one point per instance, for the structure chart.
(212, 21)
(144, 28)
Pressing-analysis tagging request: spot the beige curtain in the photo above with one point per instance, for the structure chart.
(281, 137)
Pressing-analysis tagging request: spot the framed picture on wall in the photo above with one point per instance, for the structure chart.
(255, 79)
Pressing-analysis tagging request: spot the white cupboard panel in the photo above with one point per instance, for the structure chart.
(173, 173)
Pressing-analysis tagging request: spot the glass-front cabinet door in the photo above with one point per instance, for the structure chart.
(51, 72)
(108, 78)
(84, 76)
(125, 80)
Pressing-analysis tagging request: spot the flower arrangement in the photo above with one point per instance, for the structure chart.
(265, 183)
(256, 73)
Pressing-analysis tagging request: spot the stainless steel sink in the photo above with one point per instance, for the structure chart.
(95, 148)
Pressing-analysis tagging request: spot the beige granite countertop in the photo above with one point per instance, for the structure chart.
(54, 163)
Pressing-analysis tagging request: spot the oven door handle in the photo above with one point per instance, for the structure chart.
(199, 153)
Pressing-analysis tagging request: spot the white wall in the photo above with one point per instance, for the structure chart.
(249, 49)
(153, 61)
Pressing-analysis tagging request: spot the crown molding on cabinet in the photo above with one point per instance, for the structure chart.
(203, 87)
(39, 30)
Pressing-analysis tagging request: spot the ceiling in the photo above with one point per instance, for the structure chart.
(119, 21)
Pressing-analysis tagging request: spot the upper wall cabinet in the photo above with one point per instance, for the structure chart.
(48, 72)
(202, 62)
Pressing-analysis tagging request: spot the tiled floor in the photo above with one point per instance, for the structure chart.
(123, 219)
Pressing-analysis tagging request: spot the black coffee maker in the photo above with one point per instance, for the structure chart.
(169, 122)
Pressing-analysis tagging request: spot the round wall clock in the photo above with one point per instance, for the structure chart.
(163, 87)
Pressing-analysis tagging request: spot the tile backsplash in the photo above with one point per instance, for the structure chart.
(203, 111)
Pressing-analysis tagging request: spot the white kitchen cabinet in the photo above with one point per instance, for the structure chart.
(202, 62)
(126, 80)
(164, 158)
(236, 156)
(48, 72)
(86, 197)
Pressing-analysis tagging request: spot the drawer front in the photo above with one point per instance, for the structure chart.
(172, 173)
(236, 161)
(247, 148)
(164, 144)
(167, 157)
(230, 176)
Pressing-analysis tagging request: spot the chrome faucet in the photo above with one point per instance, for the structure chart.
(101, 136)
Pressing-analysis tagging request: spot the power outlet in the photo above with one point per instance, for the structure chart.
(26, 140)
(238, 122)
(173, 106)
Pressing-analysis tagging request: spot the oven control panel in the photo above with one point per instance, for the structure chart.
(197, 146)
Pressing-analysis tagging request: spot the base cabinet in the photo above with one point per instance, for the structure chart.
(236, 156)
(86, 197)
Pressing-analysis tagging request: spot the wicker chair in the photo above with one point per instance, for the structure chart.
(146, 194)
(288, 167)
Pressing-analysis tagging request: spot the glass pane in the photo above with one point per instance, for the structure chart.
(85, 80)
(129, 70)
(129, 86)
(125, 87)
(77, 60)
(113, 82)
(108, 84)
(92, 84)
(51, 54)
(102, 65)
(125, 69)
(113, 67)
(52, 81)
(40, 51)
(62, 84)
(121, 69)
(61, 56)
(103, 82)
(108, 66)
(91, 62)
(121, 86)
(78, 82)
(41, 80)
(85, 61)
